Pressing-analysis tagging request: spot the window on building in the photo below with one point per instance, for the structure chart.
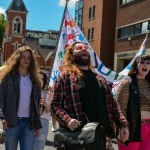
(46, 36)
(40, 35)
(131, 30)
(80, 20)
(76, 17)
(137, 29)
(79, 13)
(93, 14)
(122, 2)
(54, 36)
(134, 29)
(17, 25)
(127, 31)
(80, 4)
(149, 25)
(92, 34)
(36, 35)
(88, 34)
(90, 12)
(144, 27)
(77, 6)
(16, 46)
(121, 33)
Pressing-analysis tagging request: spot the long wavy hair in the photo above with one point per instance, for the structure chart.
(69, 63)
(12, 64)
(134, 70)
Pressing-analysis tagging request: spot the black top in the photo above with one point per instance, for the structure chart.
(133, 112)
(93, 98)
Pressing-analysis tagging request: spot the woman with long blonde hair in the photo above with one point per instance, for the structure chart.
(20, 94)
(13, 63)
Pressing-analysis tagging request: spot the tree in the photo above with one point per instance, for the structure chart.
(2, 27)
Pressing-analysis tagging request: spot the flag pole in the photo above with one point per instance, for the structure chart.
(54, 54)
(52, 62)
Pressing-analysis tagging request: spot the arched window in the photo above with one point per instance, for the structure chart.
(17, 25)
(16, 46)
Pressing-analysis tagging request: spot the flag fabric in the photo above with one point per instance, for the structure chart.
(141, 51)
(125, 71)
(70, 33)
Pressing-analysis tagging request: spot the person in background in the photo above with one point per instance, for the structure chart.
(40, 140)
(54, 121)
(134, 98)
(20, 94)
(81, 95)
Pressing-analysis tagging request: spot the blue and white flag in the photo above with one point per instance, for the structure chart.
(125, 71)
(141, 51)
(70, 33)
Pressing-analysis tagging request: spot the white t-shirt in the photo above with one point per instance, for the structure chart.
(25, 96)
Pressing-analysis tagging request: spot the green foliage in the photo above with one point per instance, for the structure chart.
(2, 27)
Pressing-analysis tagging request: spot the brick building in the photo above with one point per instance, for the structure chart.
(16, 35)
(44, 44)
(96, 18)
(132, 23)
(115, 29)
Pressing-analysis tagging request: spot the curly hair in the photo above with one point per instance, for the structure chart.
(12, 64)
(134, 70)
(69, 64)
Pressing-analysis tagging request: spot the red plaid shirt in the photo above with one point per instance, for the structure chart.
(66, 102)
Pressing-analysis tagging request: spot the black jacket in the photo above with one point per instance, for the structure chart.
(133, 112)
(9, 101)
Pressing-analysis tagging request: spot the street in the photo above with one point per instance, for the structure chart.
(49, 143)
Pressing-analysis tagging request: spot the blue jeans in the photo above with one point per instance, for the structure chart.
(42, 135)
(21, 133)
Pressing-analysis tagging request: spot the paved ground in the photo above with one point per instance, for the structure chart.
(49, 143)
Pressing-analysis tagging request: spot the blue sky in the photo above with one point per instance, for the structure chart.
(43, 14)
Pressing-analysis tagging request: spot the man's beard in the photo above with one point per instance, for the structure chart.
(80, 60)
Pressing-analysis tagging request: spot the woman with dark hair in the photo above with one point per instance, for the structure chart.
(134, 98)
(44, 111)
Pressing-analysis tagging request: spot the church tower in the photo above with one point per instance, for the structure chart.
(15, 28)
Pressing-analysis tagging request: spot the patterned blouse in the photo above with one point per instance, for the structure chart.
(123, 95)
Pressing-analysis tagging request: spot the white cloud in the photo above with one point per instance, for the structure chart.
(2, 10)
(71, 3)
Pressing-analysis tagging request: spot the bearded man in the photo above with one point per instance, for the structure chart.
(81, 95)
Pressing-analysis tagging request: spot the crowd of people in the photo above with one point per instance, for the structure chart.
(79, 96)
